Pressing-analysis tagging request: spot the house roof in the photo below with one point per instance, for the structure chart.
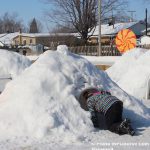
(1, 44)
(110, 30)
(7, 38)
(46, 34)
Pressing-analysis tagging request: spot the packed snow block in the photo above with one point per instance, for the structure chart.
(132, 72)
(63, 49)
(43, 99)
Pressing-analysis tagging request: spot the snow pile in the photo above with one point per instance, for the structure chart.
(132, 72)
(42, 100)
(11, 65)
(145, 40)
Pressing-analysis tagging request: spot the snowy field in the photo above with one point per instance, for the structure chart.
(40, 110)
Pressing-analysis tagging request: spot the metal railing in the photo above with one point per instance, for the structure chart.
(93, 50)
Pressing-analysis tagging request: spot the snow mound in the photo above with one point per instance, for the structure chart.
(11, 65)
(43, 99)
(132, 72)
(63, 49)
(145, 40)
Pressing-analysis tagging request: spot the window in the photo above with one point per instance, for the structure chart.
(30, 41)
(24, 42)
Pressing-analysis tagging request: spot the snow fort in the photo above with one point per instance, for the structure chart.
(43, 99)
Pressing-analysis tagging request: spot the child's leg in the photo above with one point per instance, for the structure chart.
(114, 114)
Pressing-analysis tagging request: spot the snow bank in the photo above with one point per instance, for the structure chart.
(11, 65)
(145, 40)
(132, 72)
(42, 101)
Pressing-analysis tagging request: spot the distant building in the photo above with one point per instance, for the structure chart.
(35, 42)
(109, 32)
(46, 39)
(33, 27)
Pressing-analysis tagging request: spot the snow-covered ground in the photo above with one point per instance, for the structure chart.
(39, 109)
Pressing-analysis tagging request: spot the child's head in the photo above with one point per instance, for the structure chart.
(85, 94)
(89, 92)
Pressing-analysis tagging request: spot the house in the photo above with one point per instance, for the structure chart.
(46, 39)
(34, 42)
(148, 31)
(109, 32)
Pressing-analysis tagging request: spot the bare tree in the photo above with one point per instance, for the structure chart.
(64, 29)
(112, 6)
(10, 23)
(82, 14)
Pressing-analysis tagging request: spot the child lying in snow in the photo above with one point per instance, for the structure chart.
(106, 111)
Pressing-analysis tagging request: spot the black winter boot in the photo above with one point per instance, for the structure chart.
(125, 127)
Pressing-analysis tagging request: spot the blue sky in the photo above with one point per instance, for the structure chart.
(27, 9)
(139, 6)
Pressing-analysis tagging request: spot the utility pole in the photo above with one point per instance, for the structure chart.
(146, 20)
(132, 14)
(99, 36)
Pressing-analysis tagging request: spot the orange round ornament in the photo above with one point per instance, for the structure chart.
(125, 40)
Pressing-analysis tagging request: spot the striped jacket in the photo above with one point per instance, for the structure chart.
(101, 102)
